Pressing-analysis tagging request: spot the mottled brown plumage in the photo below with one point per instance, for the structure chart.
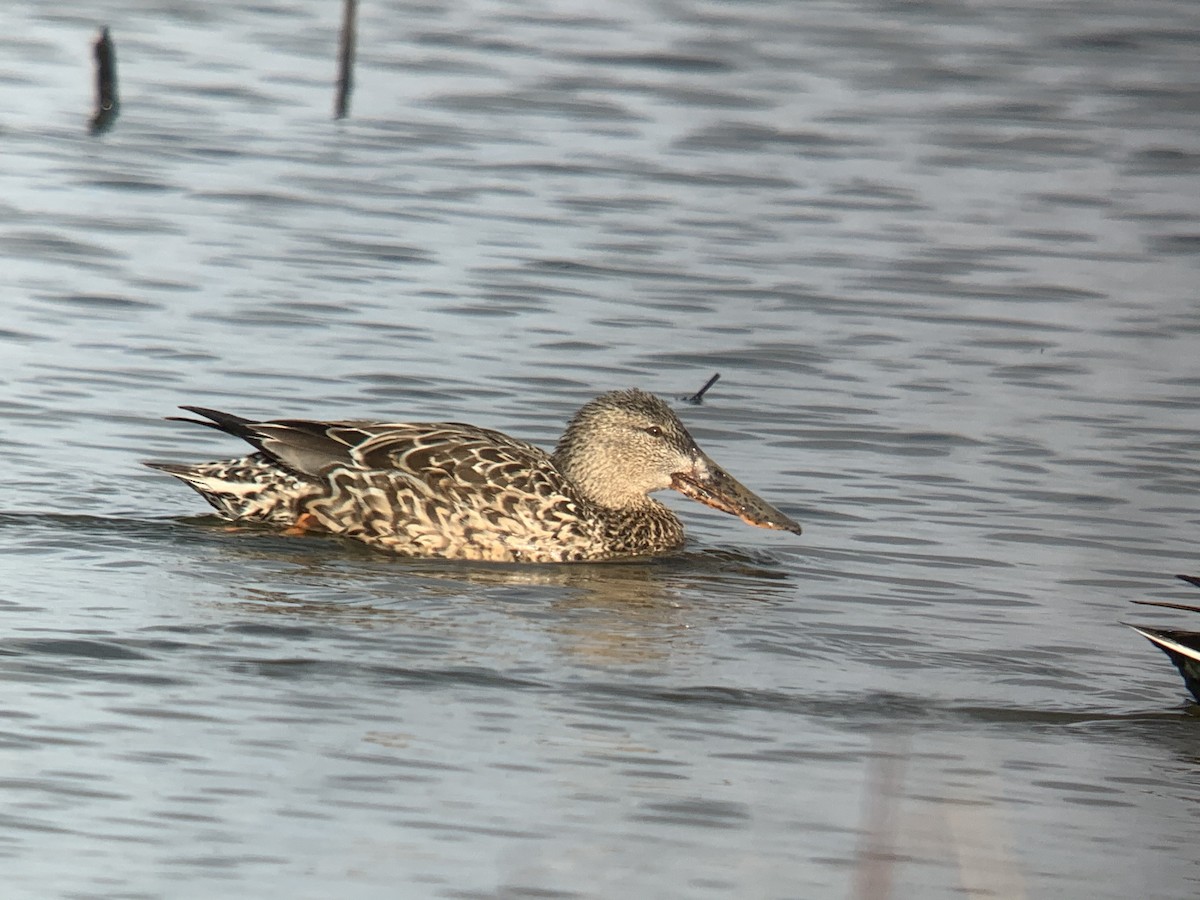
(459, 491)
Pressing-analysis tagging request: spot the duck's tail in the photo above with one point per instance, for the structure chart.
(250, 489)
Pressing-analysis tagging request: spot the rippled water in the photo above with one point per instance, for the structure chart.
(944, 256)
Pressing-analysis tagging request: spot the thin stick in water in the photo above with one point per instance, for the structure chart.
(346, 45)
(698, 397)
(107, 104)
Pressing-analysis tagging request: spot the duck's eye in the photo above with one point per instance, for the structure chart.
(654, 431)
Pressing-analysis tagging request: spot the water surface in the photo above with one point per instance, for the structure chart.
(944, 256)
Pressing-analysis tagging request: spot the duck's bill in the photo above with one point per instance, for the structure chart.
(713, 486)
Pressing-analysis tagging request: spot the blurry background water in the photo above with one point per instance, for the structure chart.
(944, 255)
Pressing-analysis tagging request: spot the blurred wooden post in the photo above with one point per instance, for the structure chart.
(875, 867)
(345, 81)
(107, 104)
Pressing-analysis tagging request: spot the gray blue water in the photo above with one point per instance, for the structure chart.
(944, 256)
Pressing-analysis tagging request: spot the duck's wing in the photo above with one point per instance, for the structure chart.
(446, 457)
(300, 446)
(427, 489)
(1183, 649)
(1190, 579)
(452, 455)
(1165, 605)
(425, 451)
(446, 489)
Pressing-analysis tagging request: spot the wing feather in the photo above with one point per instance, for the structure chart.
(440, 488)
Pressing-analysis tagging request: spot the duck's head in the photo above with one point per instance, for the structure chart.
(624, 445)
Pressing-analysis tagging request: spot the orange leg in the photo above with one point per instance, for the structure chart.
(304, 522)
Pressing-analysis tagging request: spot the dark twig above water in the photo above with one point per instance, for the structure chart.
(346, 45)
(107, 104)
(698, 397)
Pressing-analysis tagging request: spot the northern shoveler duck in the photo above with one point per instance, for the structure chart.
(457, 491)
(1182, 647)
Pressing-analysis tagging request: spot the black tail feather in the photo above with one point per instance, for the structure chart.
(299, 446)
(223, 421)
(238, 426)
(1162, 603)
